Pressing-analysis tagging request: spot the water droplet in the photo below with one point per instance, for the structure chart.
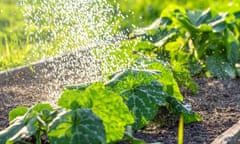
(78, 30)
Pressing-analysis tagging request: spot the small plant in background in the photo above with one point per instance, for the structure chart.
(194, 42)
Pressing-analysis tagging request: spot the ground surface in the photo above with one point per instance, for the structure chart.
(217, 102)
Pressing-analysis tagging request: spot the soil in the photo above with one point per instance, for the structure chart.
(217, 102)
(43, 81)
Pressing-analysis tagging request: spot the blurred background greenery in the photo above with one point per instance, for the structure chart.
(144, 12)
(16, 48)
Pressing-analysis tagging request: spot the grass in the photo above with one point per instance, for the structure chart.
(16, 49)
(14, 46)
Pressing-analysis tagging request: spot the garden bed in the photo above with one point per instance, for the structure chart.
(217, 101)
(43, 81)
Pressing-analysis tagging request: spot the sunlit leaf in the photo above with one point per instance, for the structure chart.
(41, 106)
(198, 17)
(170, 85)
(106, 104)
(142, 93)
(18, 111)
(77, 126)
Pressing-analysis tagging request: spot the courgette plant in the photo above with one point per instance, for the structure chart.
(194, 41)
(180, 44)
(99, 112)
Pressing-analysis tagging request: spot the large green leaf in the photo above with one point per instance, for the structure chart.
(219, 67)
(170, 85)
(196, 21)
(80, 126)
(18, 111)
(144, 102)
(105, 104)
(178, 108)
(198, 17)
(141, 92)
(218, 23)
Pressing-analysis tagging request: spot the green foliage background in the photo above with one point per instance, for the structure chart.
(143, 12)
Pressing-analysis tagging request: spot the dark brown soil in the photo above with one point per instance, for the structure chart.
(43, 81)
(217, 102)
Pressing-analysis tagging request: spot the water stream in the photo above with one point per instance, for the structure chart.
(83, 32)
